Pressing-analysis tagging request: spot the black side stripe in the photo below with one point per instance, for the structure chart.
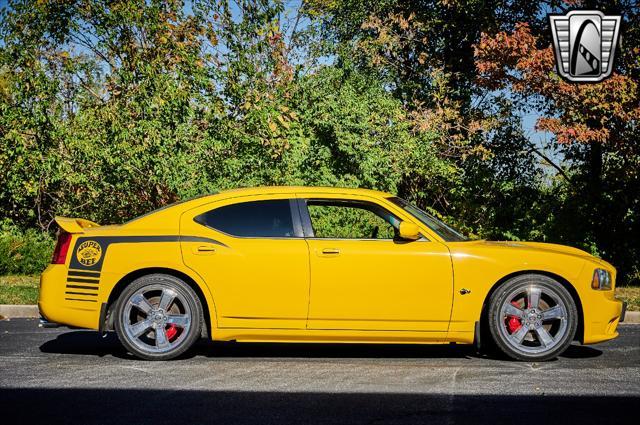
(81, 293)
(79, 299)
(84, 274)
(95, 288)
(75, 279)
(201, 239)
(106, 241)
(158, 238)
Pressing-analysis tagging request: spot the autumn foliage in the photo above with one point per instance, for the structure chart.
(583, 113)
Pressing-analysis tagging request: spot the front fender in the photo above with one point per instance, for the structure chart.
(477, 269)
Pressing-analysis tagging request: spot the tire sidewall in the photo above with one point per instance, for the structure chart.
(499, 297)
(175, 284)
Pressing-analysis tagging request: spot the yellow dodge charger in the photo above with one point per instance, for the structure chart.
(320, 265)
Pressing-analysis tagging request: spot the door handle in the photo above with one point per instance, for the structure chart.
(331, 251)
(204, 250)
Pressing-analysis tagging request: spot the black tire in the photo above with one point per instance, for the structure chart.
(539, 343)
(184, 305)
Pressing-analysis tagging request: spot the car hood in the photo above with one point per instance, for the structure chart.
(542, 247)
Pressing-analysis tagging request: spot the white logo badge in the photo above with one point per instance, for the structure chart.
(585, 43)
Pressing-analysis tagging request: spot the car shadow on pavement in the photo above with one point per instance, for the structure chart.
(332, 350)
(92, 343)
(581, 352)
(89, 343)
(175, 406)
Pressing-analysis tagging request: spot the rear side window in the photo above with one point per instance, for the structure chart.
(260, 219)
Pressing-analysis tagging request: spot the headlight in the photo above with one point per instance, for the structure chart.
(601, 280)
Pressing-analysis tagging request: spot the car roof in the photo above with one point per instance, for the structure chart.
(184, 205)
(263, 190)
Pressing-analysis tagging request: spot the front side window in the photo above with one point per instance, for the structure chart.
(351, 220)
(260, 219)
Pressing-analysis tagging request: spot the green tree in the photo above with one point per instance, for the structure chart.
(112, 109)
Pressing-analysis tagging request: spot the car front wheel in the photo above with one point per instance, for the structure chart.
(532, 318)
(158, 317)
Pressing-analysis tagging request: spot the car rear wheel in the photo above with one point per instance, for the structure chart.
(532, 318)
(158, 317)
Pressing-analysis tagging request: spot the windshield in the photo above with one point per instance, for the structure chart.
(444, 231)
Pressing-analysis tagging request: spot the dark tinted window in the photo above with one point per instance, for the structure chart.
(252, 219)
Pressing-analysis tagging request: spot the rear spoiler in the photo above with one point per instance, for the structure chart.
(74, 225)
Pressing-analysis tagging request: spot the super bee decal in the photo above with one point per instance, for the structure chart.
(89, 253)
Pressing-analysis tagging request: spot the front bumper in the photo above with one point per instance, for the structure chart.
(602, 313)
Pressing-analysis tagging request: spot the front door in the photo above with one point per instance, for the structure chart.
(253, 257)
(363, 277)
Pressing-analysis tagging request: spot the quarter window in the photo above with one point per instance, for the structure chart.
(260, 219)
(337, 219)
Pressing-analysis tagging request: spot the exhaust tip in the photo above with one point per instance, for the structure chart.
(44, 323)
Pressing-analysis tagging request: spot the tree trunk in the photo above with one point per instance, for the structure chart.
(594, 193)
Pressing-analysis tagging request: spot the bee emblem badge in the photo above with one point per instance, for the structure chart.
(89, 253)
(585, 44)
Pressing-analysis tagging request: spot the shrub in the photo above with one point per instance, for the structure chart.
(24, 252)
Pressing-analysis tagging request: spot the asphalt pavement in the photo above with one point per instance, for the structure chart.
(65, 376)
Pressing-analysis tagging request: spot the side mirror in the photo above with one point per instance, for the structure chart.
(409, 231)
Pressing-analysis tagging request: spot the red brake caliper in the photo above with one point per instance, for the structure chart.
(172, 331)
(513, 323)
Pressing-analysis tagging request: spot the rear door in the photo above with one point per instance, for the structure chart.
(251, 253)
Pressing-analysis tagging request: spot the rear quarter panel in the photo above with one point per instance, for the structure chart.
(125, 250)
(123, 259)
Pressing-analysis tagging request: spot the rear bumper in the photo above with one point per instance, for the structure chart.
(53, 306)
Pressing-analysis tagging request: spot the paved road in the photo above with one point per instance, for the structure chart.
(73, 376)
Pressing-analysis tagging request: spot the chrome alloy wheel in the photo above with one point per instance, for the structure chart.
(156, 318)
(533, 319)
